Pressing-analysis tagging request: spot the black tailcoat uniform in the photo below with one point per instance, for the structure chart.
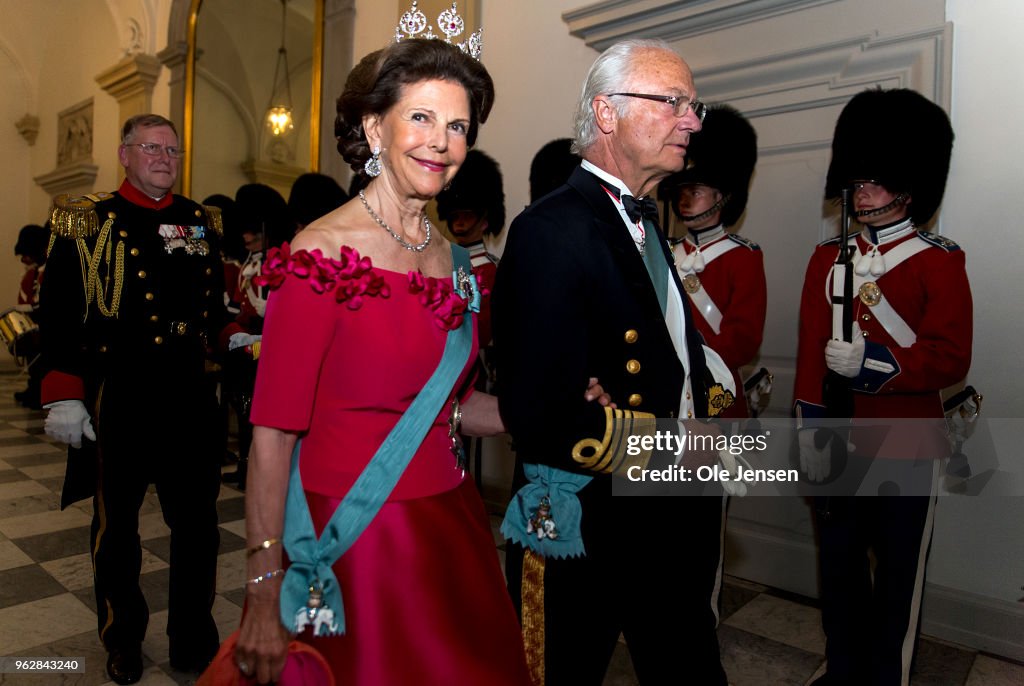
(573, 300)
(135, 291)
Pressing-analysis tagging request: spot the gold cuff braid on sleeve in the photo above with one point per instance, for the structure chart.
(74, 217)
(216, 219)
(615, 453)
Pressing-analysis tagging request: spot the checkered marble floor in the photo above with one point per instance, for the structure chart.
(47, 608)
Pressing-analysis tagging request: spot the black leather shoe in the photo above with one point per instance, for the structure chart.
(124, 665)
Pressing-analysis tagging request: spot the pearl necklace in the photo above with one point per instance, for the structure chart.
(405, 244)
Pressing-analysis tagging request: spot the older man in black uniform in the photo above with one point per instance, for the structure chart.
(135, 291)
(586, 289)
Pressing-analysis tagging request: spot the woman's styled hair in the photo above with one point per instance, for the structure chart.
(610, 73)
(376, 84)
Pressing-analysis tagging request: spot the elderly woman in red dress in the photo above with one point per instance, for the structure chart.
(392, 572)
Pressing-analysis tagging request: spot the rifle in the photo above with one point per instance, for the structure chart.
(837, 394)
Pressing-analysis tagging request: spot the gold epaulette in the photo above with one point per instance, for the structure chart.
(76, 217)
(213, 214)
(621, 447)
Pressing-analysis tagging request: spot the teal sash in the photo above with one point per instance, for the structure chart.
(310, 593)
(657, 267)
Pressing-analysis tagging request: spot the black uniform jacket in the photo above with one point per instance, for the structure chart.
(135, 295)
(573, 300)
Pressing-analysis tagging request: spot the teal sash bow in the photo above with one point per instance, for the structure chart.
(558, 488)
(310, 593)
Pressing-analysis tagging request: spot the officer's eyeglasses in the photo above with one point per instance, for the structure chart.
(679, 103)
(155, 149)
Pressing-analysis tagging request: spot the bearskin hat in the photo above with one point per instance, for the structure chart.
(261, 209)
(897, 138)
(32, 242)
(478, 187)
(721, 155)
(312, 196)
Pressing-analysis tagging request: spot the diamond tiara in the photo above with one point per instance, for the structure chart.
(414, 22)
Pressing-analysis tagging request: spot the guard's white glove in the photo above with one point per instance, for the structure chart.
(242, 339)
(846, 358)
(732, 464)
(815, 462)
(67, 421)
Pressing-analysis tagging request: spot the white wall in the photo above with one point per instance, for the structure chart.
(979, 546)
(538, 70)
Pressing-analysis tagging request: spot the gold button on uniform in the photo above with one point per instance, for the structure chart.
(864, 334)
(103, 348)
(208, 271)
(207, 292)
(158, 340)
(633, 367)
(631, 336)
(206, 315)
(199, 213)
(111, 215)
(866, 317)
(123, 234)
(134, 252)
(635, 399)
(142, 273)
(149, 296)
(154, 318)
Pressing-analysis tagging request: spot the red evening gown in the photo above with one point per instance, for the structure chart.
(346, 347)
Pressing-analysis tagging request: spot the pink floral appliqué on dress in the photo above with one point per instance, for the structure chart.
(353, 279)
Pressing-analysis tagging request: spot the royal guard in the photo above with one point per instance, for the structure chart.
(722, 273)
(31, 250)
(886, 349)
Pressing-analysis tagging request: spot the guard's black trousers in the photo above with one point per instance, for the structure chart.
(871, 619)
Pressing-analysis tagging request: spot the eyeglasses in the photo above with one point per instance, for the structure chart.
(154, 149)
(680, 103)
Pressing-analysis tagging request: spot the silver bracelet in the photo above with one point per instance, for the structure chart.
(269, 575)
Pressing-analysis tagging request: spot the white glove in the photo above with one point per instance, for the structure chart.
(732, 463)
(67, 421)
(814, 462)
(846, 358)
(242, 339)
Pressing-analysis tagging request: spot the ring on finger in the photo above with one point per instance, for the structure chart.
(243, 667)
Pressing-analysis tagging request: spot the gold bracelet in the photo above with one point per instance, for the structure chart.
(262, 546)
(266, 577)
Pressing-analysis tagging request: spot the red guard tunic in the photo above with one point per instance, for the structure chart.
(485, 266)
(930, 292)
(734, 281)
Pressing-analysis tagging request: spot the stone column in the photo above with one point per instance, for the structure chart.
(131, 82)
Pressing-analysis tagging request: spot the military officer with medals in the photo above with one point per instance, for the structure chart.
(134, 294)
(912, 329)
(722, 273)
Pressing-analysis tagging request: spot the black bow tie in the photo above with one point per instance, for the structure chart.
(636, 210)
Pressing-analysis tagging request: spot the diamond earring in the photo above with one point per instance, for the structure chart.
(373, 166)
